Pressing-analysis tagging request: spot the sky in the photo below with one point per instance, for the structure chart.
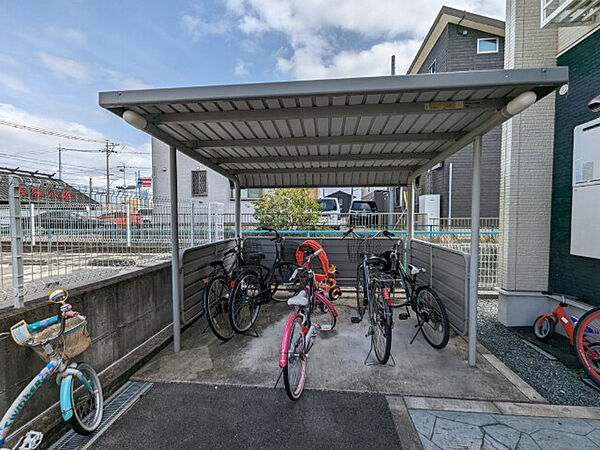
(56, 55)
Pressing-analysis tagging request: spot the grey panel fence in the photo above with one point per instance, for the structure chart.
(448, 273)
(194, 263)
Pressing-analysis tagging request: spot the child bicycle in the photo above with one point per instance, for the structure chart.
(583, 334)
(301, 327)
(57, 340)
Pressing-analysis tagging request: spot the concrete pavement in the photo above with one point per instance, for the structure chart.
(429, 399)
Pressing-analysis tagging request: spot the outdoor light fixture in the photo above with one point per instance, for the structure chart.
(594, 104)
(519, 104)
(135, 120)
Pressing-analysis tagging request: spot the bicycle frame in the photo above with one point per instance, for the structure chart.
(560, 315)
(64, 378)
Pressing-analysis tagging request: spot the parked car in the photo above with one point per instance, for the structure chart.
(146, 216)
(332, 213)
(65, 220)
(363, 214)
(119, 218)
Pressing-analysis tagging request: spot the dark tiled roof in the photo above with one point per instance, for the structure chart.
(41, 189)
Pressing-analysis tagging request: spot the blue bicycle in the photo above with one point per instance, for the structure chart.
(57, 340)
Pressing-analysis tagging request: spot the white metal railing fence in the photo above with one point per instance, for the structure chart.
(50, 234)
(488, 261)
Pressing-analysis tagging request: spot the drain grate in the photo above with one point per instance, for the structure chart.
(114, 408)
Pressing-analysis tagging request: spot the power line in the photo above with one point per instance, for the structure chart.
(21, 126)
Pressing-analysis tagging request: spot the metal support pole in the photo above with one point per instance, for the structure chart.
(32, 212)
(174, 248)
(474, 263)
(16, 241)
(238, 209)
(410, 216)
(210, 223)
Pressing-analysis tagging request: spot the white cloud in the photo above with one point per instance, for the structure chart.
(124, 81)
(308, 27)
(33, 151)
(8, 60)
(13, 83)
(66, 68)
(197, 28)
(241, 70)
(67, 34)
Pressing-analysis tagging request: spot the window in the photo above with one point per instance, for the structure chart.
(487, 45)
(328, 204)
(433, 67)
(247, 194)
(199, 182)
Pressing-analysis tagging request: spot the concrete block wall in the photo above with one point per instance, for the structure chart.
(526, 160)
(123, 312)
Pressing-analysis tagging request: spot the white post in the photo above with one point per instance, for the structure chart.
(16, 241)
(174, 248)
(450, 194)
(474, 263)
(192, 229)
(238, 209)
(32, 223)
(210, 230)
(128, 223)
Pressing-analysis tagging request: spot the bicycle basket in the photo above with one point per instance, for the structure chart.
(74, 341)
(356, 248)
(251, 246)
(377, 246)
(289, 250)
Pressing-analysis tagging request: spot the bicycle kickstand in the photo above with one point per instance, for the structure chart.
(419, 328)
(254, 332)
(278, 378)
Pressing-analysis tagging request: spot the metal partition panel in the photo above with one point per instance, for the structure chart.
(448, 273)
(335, 247)
(194, 268)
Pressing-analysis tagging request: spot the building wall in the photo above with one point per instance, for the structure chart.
(574, 275)
(218, 188)
(526, 175)
(456, 52)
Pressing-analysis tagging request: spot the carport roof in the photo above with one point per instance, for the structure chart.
(375, 131)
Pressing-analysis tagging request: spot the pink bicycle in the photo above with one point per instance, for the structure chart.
(313, 311)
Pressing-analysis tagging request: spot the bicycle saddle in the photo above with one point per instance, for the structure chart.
(300, 299)
(375, 261)
(216, 262)
(415, 270)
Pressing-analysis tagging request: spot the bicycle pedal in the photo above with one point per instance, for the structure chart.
(355, 319)
(326, 327)
(403, 316)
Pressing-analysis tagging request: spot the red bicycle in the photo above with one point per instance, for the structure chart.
(583, 334)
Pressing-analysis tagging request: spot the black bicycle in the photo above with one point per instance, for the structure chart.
(256, 285)
(423, 300)
(372, 291)
(217, 289)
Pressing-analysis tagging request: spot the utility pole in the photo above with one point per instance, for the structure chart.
(90, 188)
(59, 162)
(110, 148)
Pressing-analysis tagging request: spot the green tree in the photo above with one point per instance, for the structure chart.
(288, 209)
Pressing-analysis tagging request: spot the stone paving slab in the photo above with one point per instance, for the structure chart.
(476, 430)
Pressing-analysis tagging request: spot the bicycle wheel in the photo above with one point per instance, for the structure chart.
(543, 329)
(216, 306)
(294, 372)
(587, 343)
(243, 308)
(432, 312)
(87, 406)
(381, 323)
(360, 291)
(281, 276)
(322, 314)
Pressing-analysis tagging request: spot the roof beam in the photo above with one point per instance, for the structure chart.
(343, 157)
(327, 111)
(304, 170)
(324, 140)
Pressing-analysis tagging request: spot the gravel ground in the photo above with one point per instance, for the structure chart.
(557, 383)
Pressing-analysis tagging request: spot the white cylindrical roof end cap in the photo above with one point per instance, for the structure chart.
(135, 120)
(521, 103)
